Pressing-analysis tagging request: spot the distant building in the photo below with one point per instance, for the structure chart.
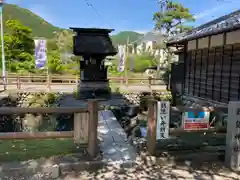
(153, 43)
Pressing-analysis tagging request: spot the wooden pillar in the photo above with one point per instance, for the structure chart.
(76, 81)
(92, 128)
(18, 82)
(152, 123)
(149, 82)
(126, 81)
(49, 81)
(81, 122)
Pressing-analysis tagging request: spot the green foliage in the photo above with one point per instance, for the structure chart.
(54, 63)
(40, 27)
(19, 47)
(141, 62)
(63, 40)
(122, 37)
(172, 19)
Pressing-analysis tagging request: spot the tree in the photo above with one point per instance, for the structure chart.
(54, 63)
(19, 46)
(60, 59)
(171, 20)
(64, 40)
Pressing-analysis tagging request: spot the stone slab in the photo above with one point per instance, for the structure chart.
(114, 145)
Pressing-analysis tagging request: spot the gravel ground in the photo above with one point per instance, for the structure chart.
(146, 169)
(153, 172)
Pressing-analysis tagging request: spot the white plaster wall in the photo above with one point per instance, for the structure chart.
(192, 44)
(216, 40)
(203, 43)
(139, 48)
(233, 37)
(149, 46)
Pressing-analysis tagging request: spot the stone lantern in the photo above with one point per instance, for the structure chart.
(93, 45)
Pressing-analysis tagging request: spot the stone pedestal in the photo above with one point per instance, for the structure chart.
(94, 89)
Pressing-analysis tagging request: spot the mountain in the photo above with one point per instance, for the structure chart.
(40, 27)
(122, 37)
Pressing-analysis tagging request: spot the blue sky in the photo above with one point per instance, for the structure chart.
(120, 15)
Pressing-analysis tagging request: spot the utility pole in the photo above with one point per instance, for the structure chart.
(2, 43)
(162, 4)
(127, 56)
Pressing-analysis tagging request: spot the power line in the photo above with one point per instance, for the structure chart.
(89, 4)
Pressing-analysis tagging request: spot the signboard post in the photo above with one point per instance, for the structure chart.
(163, 113)
(192, 121)
(232, 154)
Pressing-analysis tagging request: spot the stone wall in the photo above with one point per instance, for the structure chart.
(28, 122)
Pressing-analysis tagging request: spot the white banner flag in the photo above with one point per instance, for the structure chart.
(122, 57)
(40, 53)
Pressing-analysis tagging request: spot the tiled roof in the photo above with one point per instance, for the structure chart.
(225, 23)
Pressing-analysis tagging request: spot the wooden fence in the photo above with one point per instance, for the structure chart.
(85, 125)
(152, 122)
(49, 80)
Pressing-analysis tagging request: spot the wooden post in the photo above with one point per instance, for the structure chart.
(149, 82)
(80, 132)
(76, 80)
(18, 82)
(49, 81)
(29, 77)
(152, 123)
(92, 128)
(126, 80)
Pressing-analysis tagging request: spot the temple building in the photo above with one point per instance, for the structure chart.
(210, 55)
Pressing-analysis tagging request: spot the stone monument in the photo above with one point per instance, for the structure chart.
(232, 150)
(93, 45)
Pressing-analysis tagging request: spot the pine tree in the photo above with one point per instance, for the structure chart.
(172, 18)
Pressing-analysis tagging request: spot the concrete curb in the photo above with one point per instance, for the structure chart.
(55, 170)
(50, 170)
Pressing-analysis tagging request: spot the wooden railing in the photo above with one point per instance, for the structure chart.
(85, 125)
(49, 80)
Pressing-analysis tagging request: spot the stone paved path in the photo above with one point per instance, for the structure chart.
(114, 145)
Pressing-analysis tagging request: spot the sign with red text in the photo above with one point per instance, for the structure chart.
(196, 121)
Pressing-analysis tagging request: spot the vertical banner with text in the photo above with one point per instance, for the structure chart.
(163, 113)
(40, 53)
(122, 57)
